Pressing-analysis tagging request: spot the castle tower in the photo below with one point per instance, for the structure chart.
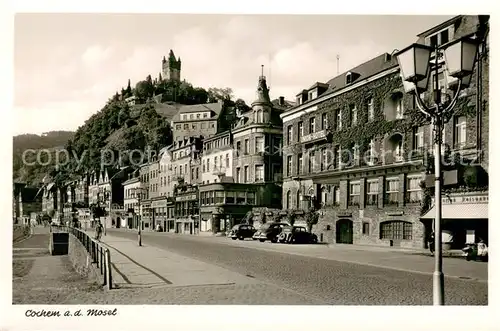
(171, 68)
(262, 105)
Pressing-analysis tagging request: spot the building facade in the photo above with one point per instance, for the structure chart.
(241, 168)
(357, 150)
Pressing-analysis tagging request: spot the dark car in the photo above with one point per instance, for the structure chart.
(242, 231)
(269, 231)
(297, 235)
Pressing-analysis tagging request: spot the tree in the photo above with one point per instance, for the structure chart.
(219, 94)
(144, 90)
(311, 218)
(241, 105)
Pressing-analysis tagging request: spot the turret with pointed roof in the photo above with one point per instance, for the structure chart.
(171, 68)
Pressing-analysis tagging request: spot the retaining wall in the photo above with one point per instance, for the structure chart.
(82, 262)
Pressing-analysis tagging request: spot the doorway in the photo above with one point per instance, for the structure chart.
(344, 233)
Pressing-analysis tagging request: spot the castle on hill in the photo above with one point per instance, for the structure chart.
(171, 68)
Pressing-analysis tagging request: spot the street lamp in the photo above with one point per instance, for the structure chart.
(414, 64)
(139, 223)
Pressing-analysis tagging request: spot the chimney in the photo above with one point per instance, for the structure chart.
(282, 101)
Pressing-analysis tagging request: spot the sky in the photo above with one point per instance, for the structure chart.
(66, 66)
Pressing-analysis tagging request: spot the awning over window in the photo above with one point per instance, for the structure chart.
(460, 211)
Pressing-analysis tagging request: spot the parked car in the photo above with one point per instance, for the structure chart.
(297, 235)
(269, 231)
(242, 231)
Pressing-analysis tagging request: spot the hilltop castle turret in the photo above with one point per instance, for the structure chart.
(171, 68)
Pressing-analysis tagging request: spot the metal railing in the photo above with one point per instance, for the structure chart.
(99, 255)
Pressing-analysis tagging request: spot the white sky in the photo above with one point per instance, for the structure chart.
(68, 65)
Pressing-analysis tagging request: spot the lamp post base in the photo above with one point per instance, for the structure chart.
(438, 288)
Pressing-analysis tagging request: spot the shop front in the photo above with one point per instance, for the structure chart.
(159, 213)
(464, 219)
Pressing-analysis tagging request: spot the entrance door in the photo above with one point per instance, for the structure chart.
(344, 231)
(118, 223)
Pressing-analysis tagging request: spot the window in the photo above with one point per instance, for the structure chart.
(184, 117)
(186, 126)
(246, 178)
(288, 203)
(372, 193)
(202, 125)
(398, 230)
(354, 194)
(300, 131)
(348, 78)
(312, 125)
(238, 175)
(460, 137)
(338, 157)
(215, 162)
(193, 126)
(191, 116)
(289, 134)
(259, 144)
(366, 228)
(219, 197)
(197, 115)
(371, 110)
(230, 197)
(338, 119)
(324, 121)
(227, 160)
(353, 114)
(178, 127)
(192, 173)
(392, 191)
(238, 145)
(205, 115)
(208, 165)
(300, 164)
(246, 146)
(311, 161)
(324, 159)
(251, 198)
(212, 124)
(355, 154)
(418, 138)
(399, 108)
(298, 199)
(336, 196)
(289, 165)
(259, 173)
(414, 192)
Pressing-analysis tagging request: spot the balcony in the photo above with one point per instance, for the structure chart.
(315, 137)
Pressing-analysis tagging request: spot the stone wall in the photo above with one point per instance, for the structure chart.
(82, 262)
(326, 229)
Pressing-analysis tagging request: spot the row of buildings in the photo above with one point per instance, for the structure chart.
(353, 148)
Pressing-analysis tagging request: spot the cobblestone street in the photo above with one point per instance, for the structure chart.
(192, 265)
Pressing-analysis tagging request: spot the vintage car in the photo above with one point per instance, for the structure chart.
(297, 235)
(269, 231)
(241, 231)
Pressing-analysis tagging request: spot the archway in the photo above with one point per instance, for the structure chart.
(344, 233)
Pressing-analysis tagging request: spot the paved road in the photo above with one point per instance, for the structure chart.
(328, 281)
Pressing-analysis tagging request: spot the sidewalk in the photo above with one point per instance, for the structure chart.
(148, 266)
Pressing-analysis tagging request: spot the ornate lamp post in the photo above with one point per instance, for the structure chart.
(415, 66)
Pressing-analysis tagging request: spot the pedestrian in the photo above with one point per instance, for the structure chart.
(432, 242)
(98, 231)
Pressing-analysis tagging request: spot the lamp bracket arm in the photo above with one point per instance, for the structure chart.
(455, 98)
(421, 106)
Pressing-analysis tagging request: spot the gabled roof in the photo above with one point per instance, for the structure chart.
(370, 68)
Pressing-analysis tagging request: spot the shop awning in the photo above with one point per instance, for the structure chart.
(460, 211)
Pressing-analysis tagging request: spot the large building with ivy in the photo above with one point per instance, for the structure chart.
(357, 150)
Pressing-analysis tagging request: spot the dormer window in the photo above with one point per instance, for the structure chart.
(348, 78)
(441, 37)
